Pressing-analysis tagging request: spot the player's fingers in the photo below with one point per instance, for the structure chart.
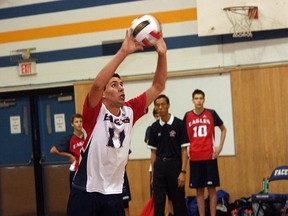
(139, 46)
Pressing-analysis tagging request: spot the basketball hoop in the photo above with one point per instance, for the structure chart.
(241, 17)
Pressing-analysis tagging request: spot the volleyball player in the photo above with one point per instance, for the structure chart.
(108, 121)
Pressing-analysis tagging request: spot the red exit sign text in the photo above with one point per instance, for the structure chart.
(27, 68)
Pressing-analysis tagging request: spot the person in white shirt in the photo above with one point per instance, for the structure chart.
(108, 121)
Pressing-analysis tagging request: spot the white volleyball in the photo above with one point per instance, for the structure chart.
(146, 30)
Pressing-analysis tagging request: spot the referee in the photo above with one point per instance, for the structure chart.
(168, 142)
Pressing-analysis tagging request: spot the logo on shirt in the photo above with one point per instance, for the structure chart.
(79, 144)
(199, 120)
(117, 121)
(172, 133)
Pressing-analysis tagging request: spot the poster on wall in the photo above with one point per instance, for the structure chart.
(15, 125)
(59, 122)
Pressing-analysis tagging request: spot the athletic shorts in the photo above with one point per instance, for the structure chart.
(82, 203)
(204, 174)
(126, 195)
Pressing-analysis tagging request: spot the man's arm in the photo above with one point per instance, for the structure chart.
(160, 76)
(128, 46)
(153, 158)
(182, 175)
(55, 151)
(222, 139)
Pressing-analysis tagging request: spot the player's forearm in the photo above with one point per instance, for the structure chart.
(222, 136)
(160, 76)
(184, 158)
(153, 158)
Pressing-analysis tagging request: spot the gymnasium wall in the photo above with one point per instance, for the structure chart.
(71, 40)
(71, 47)
(259, 103)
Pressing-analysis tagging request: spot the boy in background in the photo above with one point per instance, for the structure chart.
(70, 146)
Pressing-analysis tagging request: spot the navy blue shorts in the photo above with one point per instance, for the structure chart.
(94, 204)
(204, 174)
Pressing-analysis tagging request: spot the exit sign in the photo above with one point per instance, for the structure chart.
(27, 68)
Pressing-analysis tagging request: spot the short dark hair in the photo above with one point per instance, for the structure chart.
(198, 91)
(114, 75)
(76, 115)
(162, 96)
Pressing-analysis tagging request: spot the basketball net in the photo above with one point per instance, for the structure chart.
(241, 18)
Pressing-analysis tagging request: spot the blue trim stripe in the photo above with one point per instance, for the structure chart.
(172, 43)
(52, 7)
(263, 35)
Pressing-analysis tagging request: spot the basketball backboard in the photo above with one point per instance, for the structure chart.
(212, 19)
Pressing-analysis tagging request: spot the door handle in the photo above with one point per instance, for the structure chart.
(42, 158)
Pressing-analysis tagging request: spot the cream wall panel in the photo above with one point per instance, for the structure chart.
(256, 52)
(94, 13)
(15, 3)
(92, 39)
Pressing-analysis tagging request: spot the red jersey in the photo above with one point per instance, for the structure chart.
(76, 144)
(105, 151)
(201, 133)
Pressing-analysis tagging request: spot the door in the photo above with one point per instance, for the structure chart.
(17, 180)
(55, 112)
(32, 181)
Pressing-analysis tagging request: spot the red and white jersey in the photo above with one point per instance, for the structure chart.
(76, 143)
(105, 153)
(201, 133)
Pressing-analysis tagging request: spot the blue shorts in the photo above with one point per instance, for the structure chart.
(94, 204)
(204, 174)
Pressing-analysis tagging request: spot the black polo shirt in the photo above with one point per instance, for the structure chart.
(168, 138)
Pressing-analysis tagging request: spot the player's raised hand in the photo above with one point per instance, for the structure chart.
(160, 46)
(129, 44)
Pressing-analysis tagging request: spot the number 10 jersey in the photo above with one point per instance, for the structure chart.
(201, 133)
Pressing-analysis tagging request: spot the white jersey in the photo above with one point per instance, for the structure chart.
(105, 153)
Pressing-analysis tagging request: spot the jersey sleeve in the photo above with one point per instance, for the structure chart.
(64, 144)
(217, 120)
(89, 115)
(138, 106)
(146, 138)
(184, 135)
(185, 119)
(152, 137)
